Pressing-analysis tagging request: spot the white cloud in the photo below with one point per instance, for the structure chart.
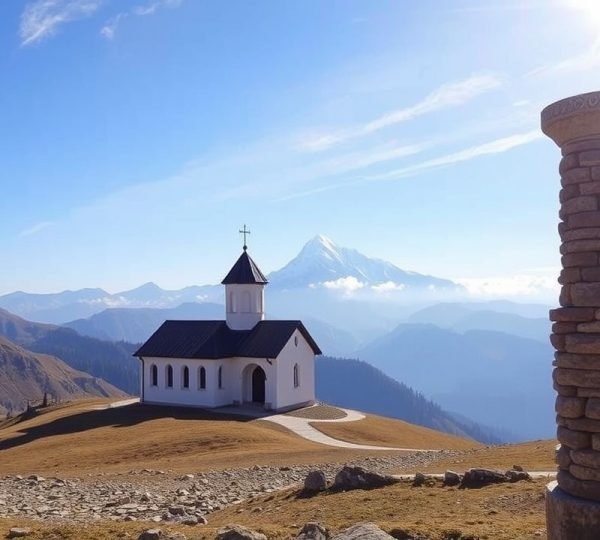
(347, 284)
(42, 18)
(34, 229)
(583, 62)
(496, 146)
(520, 285)
(447, 95)
(110, 27)
(388, 286)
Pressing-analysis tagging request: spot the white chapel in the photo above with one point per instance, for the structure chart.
(244, 359)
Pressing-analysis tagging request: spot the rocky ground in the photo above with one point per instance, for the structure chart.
(164, 497)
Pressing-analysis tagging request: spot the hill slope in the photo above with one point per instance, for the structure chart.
(110, 361)
(26, 376)
(79, 437)
(358, 385)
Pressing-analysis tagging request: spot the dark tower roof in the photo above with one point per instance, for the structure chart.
(244, 271)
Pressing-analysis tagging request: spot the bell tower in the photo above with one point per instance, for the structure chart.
(244, 292)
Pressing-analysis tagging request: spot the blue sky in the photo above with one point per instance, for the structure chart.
(137, 137)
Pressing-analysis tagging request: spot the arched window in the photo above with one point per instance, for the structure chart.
(246, 302)
(169, 377)
(153, 375)
(201, 378)
(232, 306)
(296, 376)
(185, 377)
(220, 377)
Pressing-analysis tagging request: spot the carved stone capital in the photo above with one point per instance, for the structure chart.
(573, 119)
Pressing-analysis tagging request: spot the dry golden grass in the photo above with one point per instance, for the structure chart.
(501, 512)
(76, 439)
(532, 456)
(380, 431)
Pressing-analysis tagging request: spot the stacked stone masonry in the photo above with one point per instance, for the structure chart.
(576, 325)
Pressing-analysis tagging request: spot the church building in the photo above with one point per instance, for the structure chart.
(244, 359)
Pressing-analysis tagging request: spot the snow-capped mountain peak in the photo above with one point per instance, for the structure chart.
(321, 260)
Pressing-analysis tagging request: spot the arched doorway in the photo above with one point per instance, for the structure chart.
(258, 385)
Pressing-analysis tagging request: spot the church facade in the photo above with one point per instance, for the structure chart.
(244, 359)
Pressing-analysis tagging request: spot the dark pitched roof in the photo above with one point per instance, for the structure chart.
(214, 339)
(244, 271)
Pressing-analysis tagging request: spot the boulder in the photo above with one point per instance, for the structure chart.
(451, 478)
(237, 532)
(419, 480)
(358, 478)
(516, 476)
(18, 532)
(313, 531)
(363, 531)
(476, 478)
(177, 510)
(150, 534)
(315, 481)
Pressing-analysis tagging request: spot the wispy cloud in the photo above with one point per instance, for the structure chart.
(519, 285)
(496, 146)
(448, 95)
(110, 27)
(584, 61)
(42, 18)
(34, 229)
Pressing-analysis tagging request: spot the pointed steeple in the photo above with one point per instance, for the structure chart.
(244, 272)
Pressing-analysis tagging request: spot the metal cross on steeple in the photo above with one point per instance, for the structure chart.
(245, 232)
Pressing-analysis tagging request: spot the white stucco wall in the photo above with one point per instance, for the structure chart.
(244, 305)
(303, 355)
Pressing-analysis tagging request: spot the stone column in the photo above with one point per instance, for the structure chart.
(573, 506)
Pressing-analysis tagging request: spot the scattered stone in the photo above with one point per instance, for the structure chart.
(177, 510)
(237, 532)
(359, 478)
(150, 534)
(517, 476)
(313, 531)
(419, 480)
(18, 532)
(476, 478)
(451, 478)
(363, 531)
(315, 481)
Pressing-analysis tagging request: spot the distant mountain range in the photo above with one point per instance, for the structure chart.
(103, 359)
(26, 376)
(322, 270)
(494, 378)
(358, 385)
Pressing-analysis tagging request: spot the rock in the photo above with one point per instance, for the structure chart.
(517, 476)
(313, 531)
(190, 520)
(451, 478)
(237, 532)
(419, 480)
(476, 478)
(18, 532)
(150, 534)
(315, 481)
(358, 478)
(363, 531)
(177, 510)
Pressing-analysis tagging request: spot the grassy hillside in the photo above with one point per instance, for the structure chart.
(27, 376)
(80, 438)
